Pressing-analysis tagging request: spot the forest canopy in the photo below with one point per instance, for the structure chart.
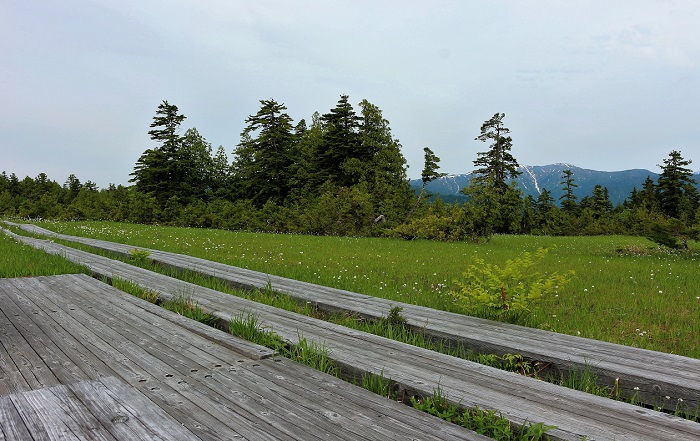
(343, 173)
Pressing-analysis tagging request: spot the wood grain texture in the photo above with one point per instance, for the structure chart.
(126, 371)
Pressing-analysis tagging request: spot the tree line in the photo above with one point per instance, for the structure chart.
(344, 174)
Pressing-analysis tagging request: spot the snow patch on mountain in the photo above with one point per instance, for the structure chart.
(527, 169)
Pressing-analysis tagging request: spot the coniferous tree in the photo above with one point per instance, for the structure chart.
(341, 155)
(264, 155)
(193, 167)
(221, 171)
(527, 223)
(383, 164)
(430, 173)
(165, 126)
(546, 212)
(155, 172)
(306, 173)
(430, 168)
(491, 210)
(13, 184)
(599, 202)
(378, 148)
(568, 199)
(647, 198)
(72, 187)
(497, 164)
(676, 190)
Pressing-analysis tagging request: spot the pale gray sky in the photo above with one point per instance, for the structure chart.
(607, 85)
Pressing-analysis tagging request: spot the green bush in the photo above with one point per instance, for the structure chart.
(506, 292)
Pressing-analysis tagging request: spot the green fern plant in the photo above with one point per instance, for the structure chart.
(139, 256)
(507, 291)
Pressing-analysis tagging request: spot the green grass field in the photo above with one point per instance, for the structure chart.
(18, 260)
(649, 300)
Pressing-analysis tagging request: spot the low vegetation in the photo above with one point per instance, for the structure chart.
(309, 353)
(625, 290)
(18, 260)
(393, 326)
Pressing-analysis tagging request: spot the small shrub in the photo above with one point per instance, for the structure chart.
(633, 250)
(139, 256)
(507, 292)
(395, 318)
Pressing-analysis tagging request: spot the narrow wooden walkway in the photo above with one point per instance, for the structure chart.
(82, 360)
(517, 398)
(652, 375)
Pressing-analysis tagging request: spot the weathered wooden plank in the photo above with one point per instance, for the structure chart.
(575, 413)
(269, 401)
(243, 347)
(519, 409)
(298, 399)
(267, 409)
(174, 393)
(126, 413)
(11, 380)
(46, 337)
(97, 410)
(169, 398)
(59, 413)
(12, 427)
(34, 371)
(360, 409)
(47, 424)
(652, 375)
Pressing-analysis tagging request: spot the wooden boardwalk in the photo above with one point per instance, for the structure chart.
(652, 375)
(518, 398)
(82, 360)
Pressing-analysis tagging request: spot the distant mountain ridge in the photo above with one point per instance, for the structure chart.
(534, 179)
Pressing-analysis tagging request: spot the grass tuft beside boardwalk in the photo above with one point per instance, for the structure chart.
(19, 260)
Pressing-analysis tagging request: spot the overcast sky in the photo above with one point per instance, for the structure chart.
(606, 85)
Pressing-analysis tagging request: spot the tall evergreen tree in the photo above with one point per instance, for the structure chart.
(430, 173)
(528, 220)
(307, 174)
(546, 212)
(72, 187)
(221, 171)
(599, 202)
(568, 199)
(647, 198)
(264, 155)
(430, 167)
(165, 126)
(155, 171)
(676, 190)
(497, 164)
(380, 163)
(193, 167)
(341, 149)
(379, 150)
